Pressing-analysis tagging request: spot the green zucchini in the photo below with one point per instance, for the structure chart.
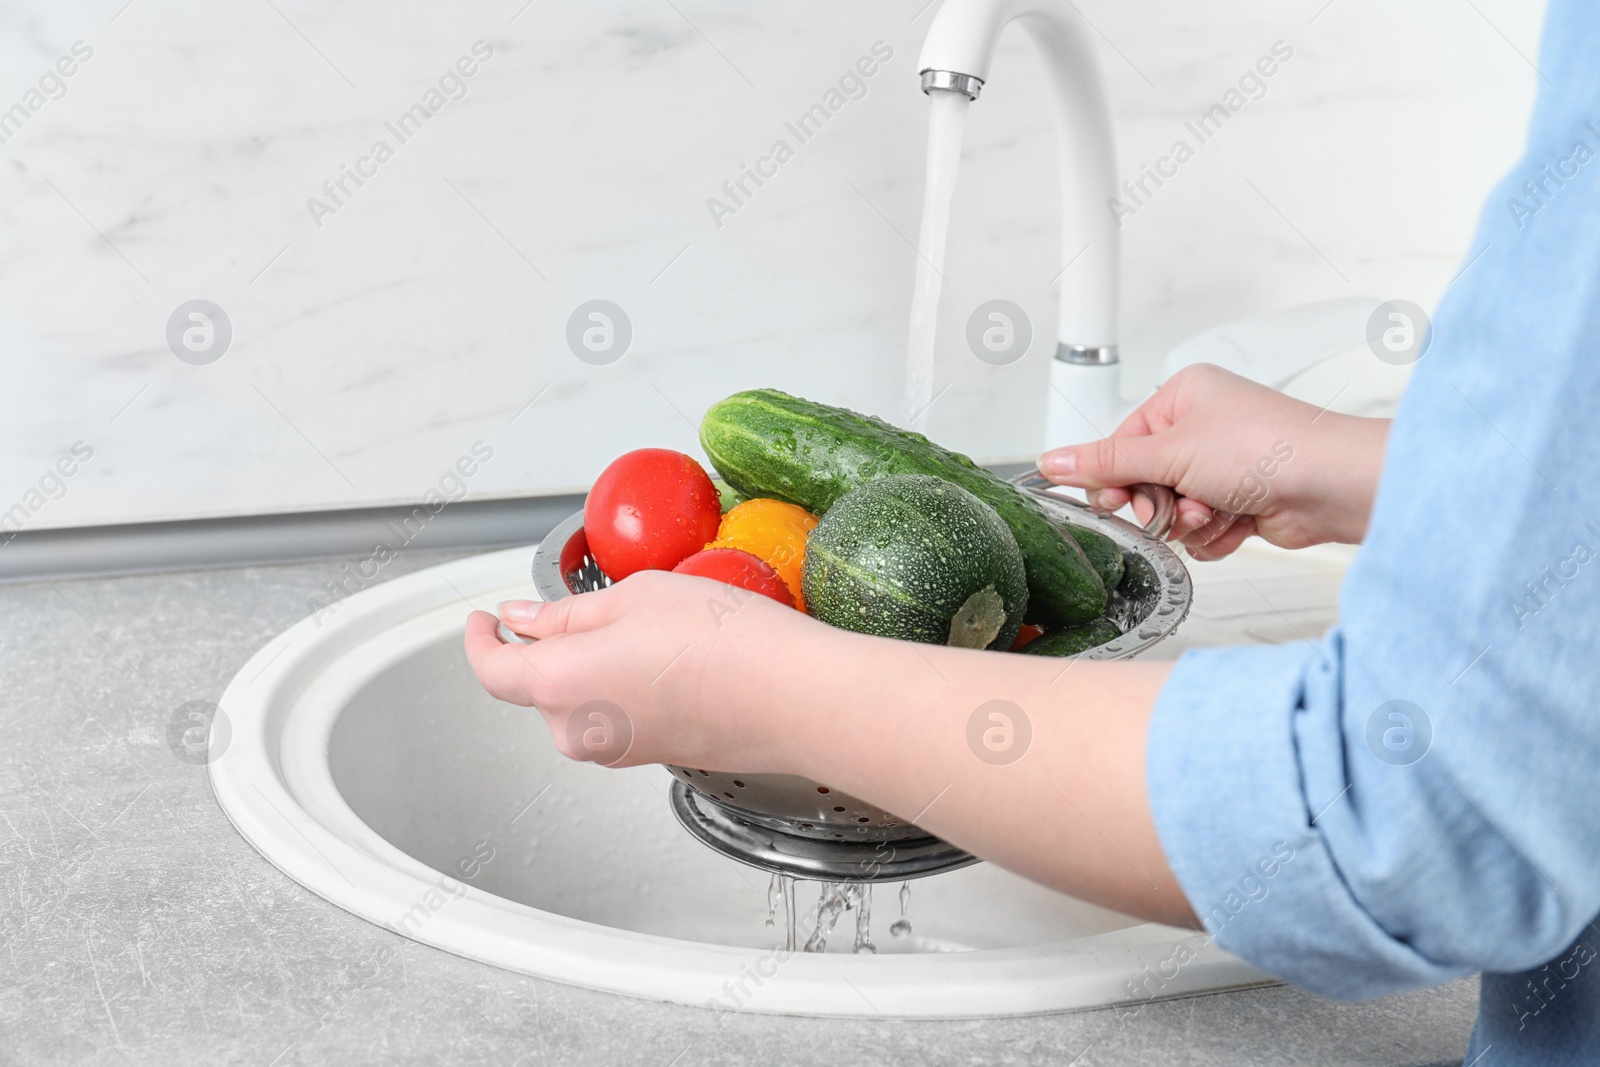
(767, 443)
(918, 558)
(1074, 639)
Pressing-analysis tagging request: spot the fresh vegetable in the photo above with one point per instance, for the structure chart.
(918, 558)
(731, 497)
(771, 530)
(767, 443)
(1074, 639)
(738, 568)
(1101, 552)
(649, 510)
(1027, 633)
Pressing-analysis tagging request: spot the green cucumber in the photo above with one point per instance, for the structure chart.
(1074, 639)
(918, 558)
(1102, 552)
(767, 443)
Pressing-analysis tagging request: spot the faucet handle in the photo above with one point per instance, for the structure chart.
(1163, 501)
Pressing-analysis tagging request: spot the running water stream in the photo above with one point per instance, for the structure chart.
(947, 119)
(833, 899)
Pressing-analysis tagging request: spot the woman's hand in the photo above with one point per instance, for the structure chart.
(665, 668)
(1245, 460)
(646, 671)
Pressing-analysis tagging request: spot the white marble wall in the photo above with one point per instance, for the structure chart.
(430, 309)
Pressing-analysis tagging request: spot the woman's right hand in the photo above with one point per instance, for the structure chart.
(1244, 459)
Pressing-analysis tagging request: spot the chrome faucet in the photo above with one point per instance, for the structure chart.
(1085, 375)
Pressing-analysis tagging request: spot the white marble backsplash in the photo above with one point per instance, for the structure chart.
(382, 330)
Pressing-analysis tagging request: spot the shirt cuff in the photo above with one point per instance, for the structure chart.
(1227, 795)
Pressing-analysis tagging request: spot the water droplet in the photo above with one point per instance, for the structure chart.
(901, 927)
(774, 894)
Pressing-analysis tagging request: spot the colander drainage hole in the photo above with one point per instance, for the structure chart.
(838, 807)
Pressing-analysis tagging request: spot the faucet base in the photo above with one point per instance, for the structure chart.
(1085, 401)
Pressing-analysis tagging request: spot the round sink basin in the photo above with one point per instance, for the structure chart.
(366, 763)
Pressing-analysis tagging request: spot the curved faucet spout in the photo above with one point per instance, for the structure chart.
(961, 42)
(956, 56)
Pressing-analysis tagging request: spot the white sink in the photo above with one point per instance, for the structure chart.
(367, 764)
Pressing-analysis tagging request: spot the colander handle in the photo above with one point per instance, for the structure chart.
(1163, 501)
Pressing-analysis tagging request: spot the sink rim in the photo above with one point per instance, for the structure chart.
(273, 780)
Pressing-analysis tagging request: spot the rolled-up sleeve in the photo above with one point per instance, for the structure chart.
(1414, 797)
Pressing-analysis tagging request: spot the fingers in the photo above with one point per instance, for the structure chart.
(1225, 543)
(1111, 499)
(1192, 517)
(1154, 415)
(504, 670)
(1112, 462)
(540, 619)
(1200, 534)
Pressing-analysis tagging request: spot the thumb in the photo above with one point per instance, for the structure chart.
(1111, 461)
(547, 618)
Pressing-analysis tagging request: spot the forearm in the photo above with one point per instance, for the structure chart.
(889, 722)
(1341, 475)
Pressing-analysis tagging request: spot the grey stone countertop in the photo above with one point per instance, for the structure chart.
(140, 928)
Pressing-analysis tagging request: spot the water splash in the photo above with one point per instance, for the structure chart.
(901, 927)
(863, 903)
(789, 913)
(831, 902)
(947, 120)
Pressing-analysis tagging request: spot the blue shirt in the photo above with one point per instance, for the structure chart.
(1416, 797)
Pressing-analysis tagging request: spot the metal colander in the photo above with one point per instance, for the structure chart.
(794, 826)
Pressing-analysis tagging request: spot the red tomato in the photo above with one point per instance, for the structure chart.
(649, 510)
(1028, 633)
(738, 567)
